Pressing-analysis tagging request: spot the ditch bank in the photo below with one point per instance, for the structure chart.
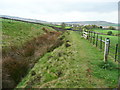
(19, 60)
(51, 67)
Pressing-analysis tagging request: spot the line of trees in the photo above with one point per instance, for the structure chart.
(77, 26)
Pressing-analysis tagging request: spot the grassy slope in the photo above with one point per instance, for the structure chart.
(17, 32)
(80, 66)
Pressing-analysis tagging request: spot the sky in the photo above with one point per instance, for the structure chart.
(62, 10)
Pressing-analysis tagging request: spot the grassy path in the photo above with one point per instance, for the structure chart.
(90, 58)
(78, 66)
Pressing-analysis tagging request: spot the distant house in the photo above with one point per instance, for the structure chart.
(105, 27)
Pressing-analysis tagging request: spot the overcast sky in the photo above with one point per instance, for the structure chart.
(62, 10)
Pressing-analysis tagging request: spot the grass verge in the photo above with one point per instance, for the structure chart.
(77, 65)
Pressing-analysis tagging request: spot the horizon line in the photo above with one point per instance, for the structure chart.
(55, 21)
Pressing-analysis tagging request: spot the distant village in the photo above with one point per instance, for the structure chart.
(78, 25)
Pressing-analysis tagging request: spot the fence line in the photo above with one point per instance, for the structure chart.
(104, 45)
(93, 38)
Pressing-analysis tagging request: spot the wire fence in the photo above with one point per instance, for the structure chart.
(99, 42)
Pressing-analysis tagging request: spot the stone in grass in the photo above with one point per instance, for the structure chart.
(31, 66)
(33, 73)
(59, 73)
(67, 45)
(67, 40)
(50, 57)
(59, 54)
(47, 67)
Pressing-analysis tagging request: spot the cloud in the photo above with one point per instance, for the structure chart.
(61, 10)
(81, 16)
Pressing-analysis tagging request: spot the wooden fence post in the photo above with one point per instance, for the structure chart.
(94, 39)
(101, 42)
(116, 52)
(97, 40)
(91, 36)
(109, 47)
(81, 31)
(106, 49)
(88, 35)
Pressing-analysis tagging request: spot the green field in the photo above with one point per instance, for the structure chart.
(59, 26)
(113, 39)
(113, 42)
(17, 32)
(78, 66)
(114, 32)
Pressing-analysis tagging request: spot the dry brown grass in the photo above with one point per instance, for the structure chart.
(28, 50)
(16, 69)
(45, 30)
(14, 60)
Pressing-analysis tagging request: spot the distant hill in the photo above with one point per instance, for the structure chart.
(22, 19)
(102, 23)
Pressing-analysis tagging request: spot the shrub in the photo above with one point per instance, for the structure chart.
(67, 45)
(29, 50)
(101, 27)
(63, 25)
(56, 44)
(111, 28)
(109, 65)
(55, 33)
(118, 34)
(45, 30)
(16, 69)
(109, 33)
